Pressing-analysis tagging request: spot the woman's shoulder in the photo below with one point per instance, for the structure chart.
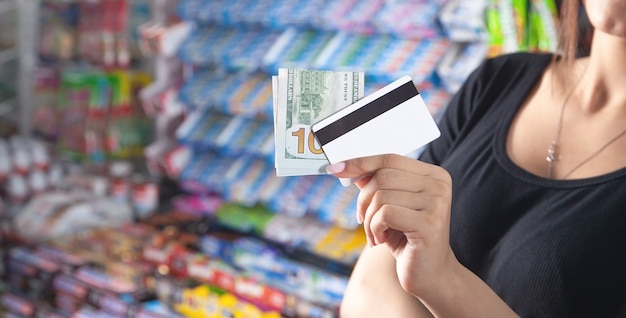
(514, 64)
(520, 59)
(509, 71)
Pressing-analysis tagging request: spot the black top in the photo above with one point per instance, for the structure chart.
(549, 248)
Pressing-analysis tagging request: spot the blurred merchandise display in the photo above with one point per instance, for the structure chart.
(131, 95)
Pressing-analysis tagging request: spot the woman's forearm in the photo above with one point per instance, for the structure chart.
(374, 290)
(463, 294)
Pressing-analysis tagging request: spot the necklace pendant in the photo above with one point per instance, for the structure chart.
(550, 158)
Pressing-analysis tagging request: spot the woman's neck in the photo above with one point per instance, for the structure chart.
(603, 80)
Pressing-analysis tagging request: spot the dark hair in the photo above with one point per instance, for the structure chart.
(569, 34)
(575, 34)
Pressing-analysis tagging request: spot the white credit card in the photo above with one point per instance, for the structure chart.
(392, 120)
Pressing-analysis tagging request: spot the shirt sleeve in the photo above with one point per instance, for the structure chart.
(456, 115)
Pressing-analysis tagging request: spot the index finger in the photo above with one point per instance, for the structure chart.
(368, 165)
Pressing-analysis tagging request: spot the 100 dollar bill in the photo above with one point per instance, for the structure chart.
(301, 98)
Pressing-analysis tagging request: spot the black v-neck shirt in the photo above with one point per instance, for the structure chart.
(549, 248)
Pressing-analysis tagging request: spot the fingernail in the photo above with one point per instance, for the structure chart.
(336, 168)
(359, 218)
(346, 182)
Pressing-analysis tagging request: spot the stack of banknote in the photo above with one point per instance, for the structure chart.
(301, 98)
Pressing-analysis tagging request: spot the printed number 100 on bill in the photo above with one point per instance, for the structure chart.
(301, 143)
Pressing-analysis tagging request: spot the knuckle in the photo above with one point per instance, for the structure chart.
(390, 160)
(380, 197)
(441, 187)
(358, 164)
(440, 203)
(444, 174)
(385, 211)
(383, 178)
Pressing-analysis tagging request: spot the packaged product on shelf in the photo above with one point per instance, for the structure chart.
(6, 165)
(235, 125)
(74, 96)
(99, 282)
(73, 293)
(144, 194)
(67, 261)
(116, 51)
(192, 178)
(59, 22)
(250, 47)
(120, 181)
(408, 18)
(189, 9)
(296, 48)
(339, 208)
(352, 15)
(160, 38)
(324, 189)
(507, 23)
(250, 220)
(458, 62)
(219, 245)
(17, 190)
(162, 96)
(156, 309)
(464, 21)
(302, 14)
(274, 269)
(166, 157)
(249, 96)
(191, 50)
(272, 185)
(33, 272)
(286, 230)
(127, 129)
(169, 117)
(227, 87)
(205, 301)
(21, 158)
(214, 272)
(194, 93)
(17, 305)
(288, 199)
(206, 130)
(336, 201)
(242, 188)
(243, 137)
(201, 205)
(385, 57)
(265, 182)
(89, 45)
(54, 215)
(342, 245)
(221, 38)
(38, 182)
(543, 20)
(45, 113)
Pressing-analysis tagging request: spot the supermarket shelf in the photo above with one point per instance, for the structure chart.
(7, 55)
(7, 6)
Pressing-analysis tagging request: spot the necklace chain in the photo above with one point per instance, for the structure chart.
(595, 153)
(553, 147)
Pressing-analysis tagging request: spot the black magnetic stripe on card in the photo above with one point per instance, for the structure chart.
(366, 113)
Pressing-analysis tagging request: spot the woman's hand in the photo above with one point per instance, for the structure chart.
(404, 204)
